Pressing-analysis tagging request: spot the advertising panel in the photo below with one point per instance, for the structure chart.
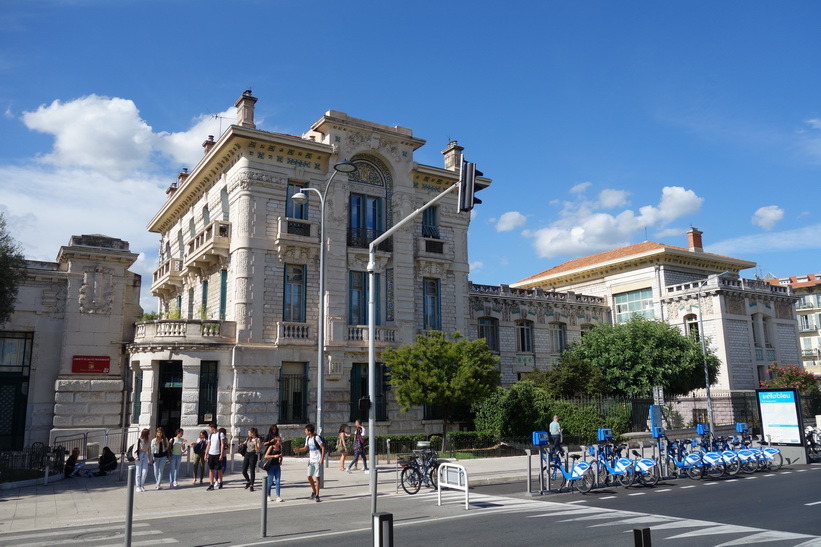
(780, 413)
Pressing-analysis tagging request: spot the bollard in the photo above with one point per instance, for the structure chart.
(263, 526)
(528, 452)
(641, 537)
(382, 529)
(129, 504)
(375, 479)
(389, 451)
(48, 464)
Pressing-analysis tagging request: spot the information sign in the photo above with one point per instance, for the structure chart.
(780, 413)
(91, 364)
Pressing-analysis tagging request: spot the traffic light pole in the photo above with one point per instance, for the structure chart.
(372, 332)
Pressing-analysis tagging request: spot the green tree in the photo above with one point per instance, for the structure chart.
(571, 377)
(791, 376)
(639, 354)
(12, 271)
(442, 372)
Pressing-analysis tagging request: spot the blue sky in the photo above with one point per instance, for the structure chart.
(601, 123)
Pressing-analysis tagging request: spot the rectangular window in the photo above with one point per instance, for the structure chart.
(366, 221)
(190, 304)
(294, 299)
(430, 222)
(204, 300)
(359, 389)
(431, 304)
(524, 336)
(136, 408)
(558, 337)
(206, 216)
(180, 244)
(358, 298)
(192, 227)
(223, 293)
(293, 393)
(207, 403)
(293, 209)
(489, 330)
(632, 303)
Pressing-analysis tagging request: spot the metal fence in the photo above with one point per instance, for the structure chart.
(33, 458)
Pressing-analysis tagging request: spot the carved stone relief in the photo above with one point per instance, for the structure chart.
(734, 304)
(97, 290)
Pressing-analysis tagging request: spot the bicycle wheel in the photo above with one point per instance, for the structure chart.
(651, 477)
(715, 471)
(776, 462)
(749, 465)
(411, 480)
(695, 472)
(627, 478)
(434, 477)
(732, 467)
(556, 477)
(585, 482)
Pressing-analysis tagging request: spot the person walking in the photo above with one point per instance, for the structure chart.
(316, 457)
(250, 458)
(359, 445)
(200, 457)
(144, 456)
(358, 425)
(215, 449)
(274, 453)
(225, 450)
(555, 435)
(176, 448)
(342, 445)
(159, 448)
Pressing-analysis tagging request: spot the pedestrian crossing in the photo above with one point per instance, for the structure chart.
(95, 536)
(682, 531)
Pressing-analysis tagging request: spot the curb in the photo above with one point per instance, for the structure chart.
(31, 482)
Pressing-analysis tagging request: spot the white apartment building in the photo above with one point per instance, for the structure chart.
(238, 276)
(808, 290)
(748, 322)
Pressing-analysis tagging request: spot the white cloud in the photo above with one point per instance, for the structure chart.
(582, 229)
(767, 217)
(186, 147)
(814, 123)
(610, 199)
(580, 188)
(476, 266)
(788, 240)
(510, 221)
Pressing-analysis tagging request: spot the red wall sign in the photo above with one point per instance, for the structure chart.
(91, 363)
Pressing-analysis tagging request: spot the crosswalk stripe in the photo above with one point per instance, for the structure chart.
(764, 537)
(36, 534)
(88, 540)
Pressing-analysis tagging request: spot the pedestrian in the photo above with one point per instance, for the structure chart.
(176, 448)
(555, 435)
(359, 444)
(144, 457)
(159, 448)
(215, 448)
(249, 460)
(74, 466)
(316, 457)
(274, 453)
(358, 425)
(200, 456)
(224, 459)
(272, 436)
(342, 445)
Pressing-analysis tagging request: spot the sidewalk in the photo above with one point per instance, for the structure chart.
(102, 500)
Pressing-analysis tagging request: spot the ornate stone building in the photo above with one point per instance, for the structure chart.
(749, 323)
(808, 290)
(63, 368)
(238, 276)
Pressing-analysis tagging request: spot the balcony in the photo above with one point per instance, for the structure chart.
(811, 353)
(361, 238)
(295, 333)
(357, 336)
(167, 278)
(210, 246)
(296, 238)
(177, 332)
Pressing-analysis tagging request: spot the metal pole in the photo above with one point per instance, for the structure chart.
(374, 475)
(263, 525)
(529, 453)
(48, 465)
(129, 504)
(704, 355)
(320, 337)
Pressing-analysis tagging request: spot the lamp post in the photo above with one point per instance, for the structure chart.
(300, 197)
(701, 336)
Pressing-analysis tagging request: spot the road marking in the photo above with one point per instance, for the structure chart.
(813, 503)
(663, 490)
(577, 501)
(750, 478)
(799, 470)
(731, 480)
(608, 497)
(786, 472)
(710, 483)
(637, 494)
(691, 486)
(34, 534)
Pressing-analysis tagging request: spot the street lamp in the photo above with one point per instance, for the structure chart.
(701, 337)
(300, 198)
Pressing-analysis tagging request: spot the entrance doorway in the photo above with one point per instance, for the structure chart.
(169, 403)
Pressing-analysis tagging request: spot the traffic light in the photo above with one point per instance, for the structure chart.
(467, 184)
(364, 404)
(386, 378)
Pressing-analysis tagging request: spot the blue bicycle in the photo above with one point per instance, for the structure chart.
(580, 474)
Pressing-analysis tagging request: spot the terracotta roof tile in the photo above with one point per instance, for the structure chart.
(794, 283)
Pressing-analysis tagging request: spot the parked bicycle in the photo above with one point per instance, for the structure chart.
(580, 474)
(611, 467)
(422, 469)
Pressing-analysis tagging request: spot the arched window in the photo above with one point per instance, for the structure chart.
(691, 326)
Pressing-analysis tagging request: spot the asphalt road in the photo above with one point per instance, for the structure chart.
(782, 508)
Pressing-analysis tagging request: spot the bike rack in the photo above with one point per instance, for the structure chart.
(455, 477)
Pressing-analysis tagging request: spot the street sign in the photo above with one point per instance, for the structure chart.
(658, 395)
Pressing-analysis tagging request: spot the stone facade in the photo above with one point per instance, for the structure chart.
(64, 368)
(239, 254)
(807, 288)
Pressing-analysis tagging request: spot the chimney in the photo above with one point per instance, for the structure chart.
(694, 240)
(453, 156)
(174, 186)
(208, 144)
(245, 109)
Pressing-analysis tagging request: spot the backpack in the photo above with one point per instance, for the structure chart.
(318, 440)
(199, 447)
(129, 455)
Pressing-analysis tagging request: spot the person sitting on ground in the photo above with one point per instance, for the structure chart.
(107, 462)
(73, 466)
